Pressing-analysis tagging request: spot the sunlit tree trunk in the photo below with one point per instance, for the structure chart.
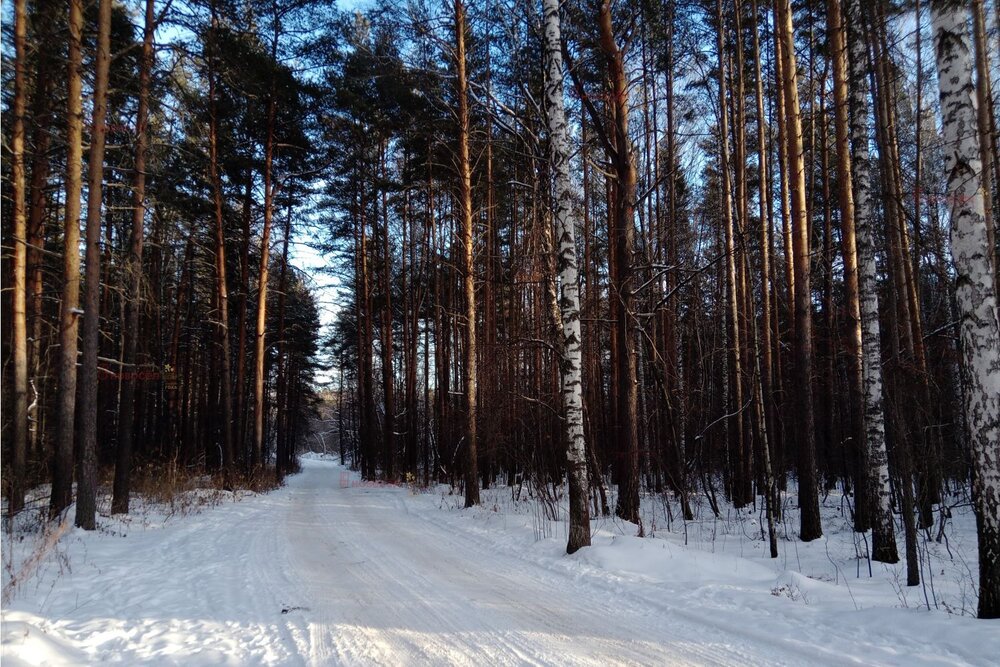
(806, 440)
(467, 265)
(260, 347)
(69, 312)
(848, 238)
(19, 335)
(86, 464)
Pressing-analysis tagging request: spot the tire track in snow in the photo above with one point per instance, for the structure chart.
(407, 591)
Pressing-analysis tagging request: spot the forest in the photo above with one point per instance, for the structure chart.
(738, 250)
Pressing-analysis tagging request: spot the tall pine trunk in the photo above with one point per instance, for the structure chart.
(257, 452)
(127, 401)
(810, 528)
(622, 234)
(221, 287)
(86, 464)
(19, 337)
(69, 311)
(848, 237)
(468, 268)
(735, 407)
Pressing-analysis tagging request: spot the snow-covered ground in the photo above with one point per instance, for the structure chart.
(327, 570)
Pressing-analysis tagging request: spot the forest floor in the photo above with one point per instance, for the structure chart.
(329, 570)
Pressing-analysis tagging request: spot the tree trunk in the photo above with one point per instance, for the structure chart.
(565, 232)
(42, 105)
(622, 233)
(808, 491)
(468, 267)
(764, 204)
(975, 294)
(86, 464)
(848, 237)
(283, 458)
(123, 461)
(983, 121)
(69, 312)
(239, 433)
(19, 336)
(388, 452)
(735, 407)
(257, 453)
(221, 287)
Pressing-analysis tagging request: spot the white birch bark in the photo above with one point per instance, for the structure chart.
(883, 537)
(566, 266)
(974, 286)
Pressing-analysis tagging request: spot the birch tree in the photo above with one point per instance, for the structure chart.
(974, 286)
(569, 301)
(875, 456)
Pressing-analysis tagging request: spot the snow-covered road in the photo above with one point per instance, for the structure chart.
(382, 586)
(327, 572)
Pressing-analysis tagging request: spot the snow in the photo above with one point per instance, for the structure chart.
(329, 571)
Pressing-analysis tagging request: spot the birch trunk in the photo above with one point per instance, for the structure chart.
(883, 537)
(974, 286)
(569, 302)
(983, 90)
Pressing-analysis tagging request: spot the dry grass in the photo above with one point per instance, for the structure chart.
(44, 546)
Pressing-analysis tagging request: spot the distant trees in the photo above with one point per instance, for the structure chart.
(142, 383)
